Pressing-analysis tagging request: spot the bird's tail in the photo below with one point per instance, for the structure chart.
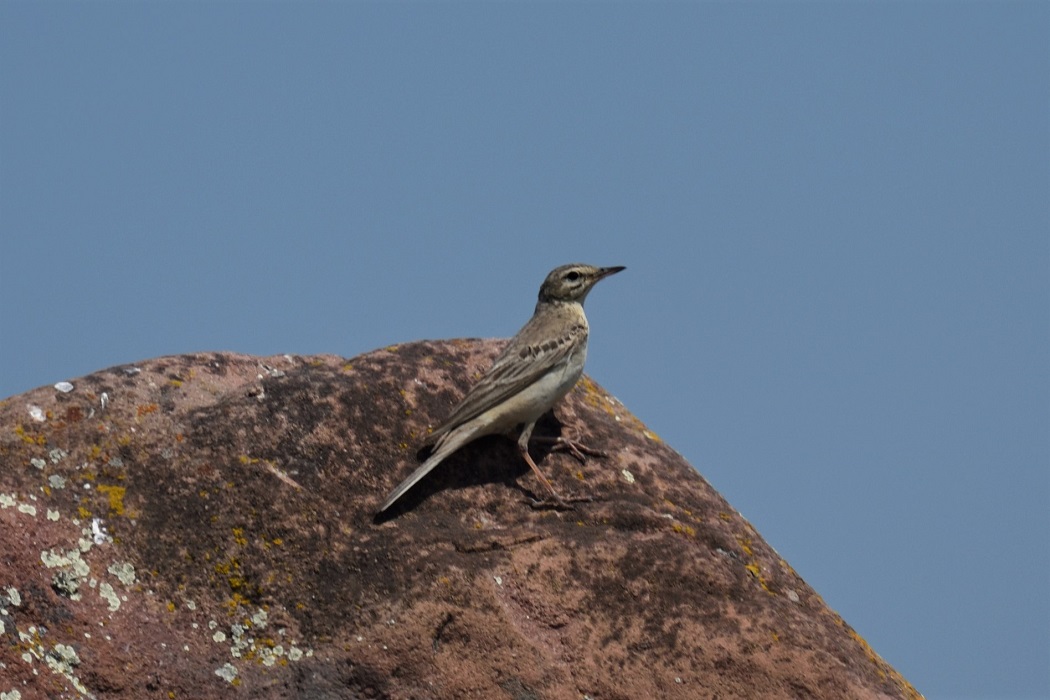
(449, 443)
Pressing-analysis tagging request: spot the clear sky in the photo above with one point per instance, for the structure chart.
(834, 218)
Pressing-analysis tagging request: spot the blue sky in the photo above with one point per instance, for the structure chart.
(834, 217)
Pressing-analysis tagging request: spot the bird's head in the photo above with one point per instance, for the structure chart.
(571, 283)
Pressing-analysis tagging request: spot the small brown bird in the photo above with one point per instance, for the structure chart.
(537, 368)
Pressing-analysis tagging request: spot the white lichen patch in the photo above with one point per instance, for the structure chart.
(107, 593)
(7, 500)
(72, 570)
(124, 572)
(53, 514)
(627, 476)
(245, 646)
(64, 654)
(56, 481)
(36, 413)
(13, 596)
(240, 642)
(13, 695)
(62, 659)
(269, 656)
(57, 455)
(27, 508)
(38, 463)
(227, 672)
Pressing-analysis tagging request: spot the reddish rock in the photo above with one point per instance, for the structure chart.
(203, 526)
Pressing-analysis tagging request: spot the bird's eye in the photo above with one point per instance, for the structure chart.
(573, 276)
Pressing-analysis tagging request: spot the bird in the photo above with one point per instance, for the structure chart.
(538, 367)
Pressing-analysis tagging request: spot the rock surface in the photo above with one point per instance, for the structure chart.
(203, 526)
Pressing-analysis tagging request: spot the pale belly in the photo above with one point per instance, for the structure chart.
(531, 403)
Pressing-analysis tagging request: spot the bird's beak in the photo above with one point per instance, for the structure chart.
(606, 271)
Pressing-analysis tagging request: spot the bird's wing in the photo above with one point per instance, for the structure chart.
(520, 364)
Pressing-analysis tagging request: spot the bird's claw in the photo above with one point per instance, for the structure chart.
(576, 449)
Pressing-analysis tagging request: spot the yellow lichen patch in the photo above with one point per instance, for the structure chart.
(95, 452)
(590, 390)
(177, 383)
(83, 513)
(115, 494)
(756, 571)
(725, 516)
(745, 544)
(684, 529)
(238, 536)
(872, 656)
(347, 367)
(171, 606)
(124, 440)
(267, 544)
(146, 409)
(231, 571)
(29, 438)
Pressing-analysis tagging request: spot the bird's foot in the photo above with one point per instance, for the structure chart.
(576, 449)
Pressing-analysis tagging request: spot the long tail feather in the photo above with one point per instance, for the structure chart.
(451, 442)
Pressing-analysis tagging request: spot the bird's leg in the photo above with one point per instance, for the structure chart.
(554, 501)
(523, 447)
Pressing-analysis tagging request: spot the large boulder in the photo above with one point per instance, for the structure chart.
(204, 526)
